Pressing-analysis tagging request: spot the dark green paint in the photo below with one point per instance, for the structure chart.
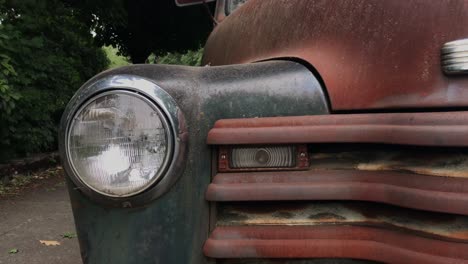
(174, 227)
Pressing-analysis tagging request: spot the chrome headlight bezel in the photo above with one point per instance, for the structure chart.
(164, 121)
(173, 120)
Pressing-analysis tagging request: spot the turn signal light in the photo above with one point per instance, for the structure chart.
(247, 158)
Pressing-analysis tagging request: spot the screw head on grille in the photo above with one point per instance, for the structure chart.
(455, 57)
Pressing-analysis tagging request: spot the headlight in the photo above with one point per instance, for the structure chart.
(119, 143)
(123, 135)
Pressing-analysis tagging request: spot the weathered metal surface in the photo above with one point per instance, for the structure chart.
(413, 119)
(447, 227)
(434, 179)
(370, 54)
(445, 162)
(296, 261)
(173, 228)
(404, 189)
(331, 242)
(426, 129)
(290, 214)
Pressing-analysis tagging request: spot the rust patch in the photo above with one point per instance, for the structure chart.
(283, 214)
(378, 54)
(326, 217)
(448, 227)
(424, 161)
(268, 207)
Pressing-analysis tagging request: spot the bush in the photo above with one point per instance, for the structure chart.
(115, 59)
(8, 97)
(190, 58)
(46, 57)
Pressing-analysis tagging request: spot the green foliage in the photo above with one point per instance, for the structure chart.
(46, 57)
(190, 58)
(139, 28)
(115, 59)
(7, 95)
(13, 251)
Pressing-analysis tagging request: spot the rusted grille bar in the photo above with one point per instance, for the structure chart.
(331, 241)
(432, 193)
(421, 129)
(447, 227)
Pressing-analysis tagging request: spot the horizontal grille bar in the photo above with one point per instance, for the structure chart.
(331, 242)
(433, 193)
(420, 129)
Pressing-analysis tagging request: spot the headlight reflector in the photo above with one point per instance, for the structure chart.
(119, 143)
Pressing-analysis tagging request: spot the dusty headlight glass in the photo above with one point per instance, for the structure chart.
(119, 143)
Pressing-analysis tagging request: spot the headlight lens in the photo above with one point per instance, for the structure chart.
(119, 143)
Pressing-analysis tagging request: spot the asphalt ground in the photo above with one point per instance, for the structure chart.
(38, 210)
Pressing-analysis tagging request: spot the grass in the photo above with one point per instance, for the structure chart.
(16, 183)
(115, 60)
(19, 181)
(69, 235)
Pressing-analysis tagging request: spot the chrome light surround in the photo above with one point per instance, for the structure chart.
(455, 57)
(169, 139)
(174, 122)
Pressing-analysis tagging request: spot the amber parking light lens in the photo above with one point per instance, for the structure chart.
(119, 143)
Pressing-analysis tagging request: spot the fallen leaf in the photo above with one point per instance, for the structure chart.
(50, 242)
(13, 251)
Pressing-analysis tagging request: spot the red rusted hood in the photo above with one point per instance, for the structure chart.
(370, 54)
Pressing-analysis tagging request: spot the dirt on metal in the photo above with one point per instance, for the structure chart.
(447, 227)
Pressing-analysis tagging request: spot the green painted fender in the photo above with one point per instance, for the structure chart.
(172, 227)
